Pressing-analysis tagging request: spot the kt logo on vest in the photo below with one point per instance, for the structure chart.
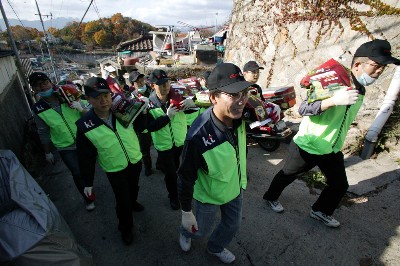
(208, 141)
(88, 124)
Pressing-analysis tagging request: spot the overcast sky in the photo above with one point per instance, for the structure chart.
(154, 12)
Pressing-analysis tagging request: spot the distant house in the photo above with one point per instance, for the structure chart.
(51, 39)
(136, 47)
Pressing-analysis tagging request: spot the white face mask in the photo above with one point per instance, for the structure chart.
(365, 79)
(142, 89)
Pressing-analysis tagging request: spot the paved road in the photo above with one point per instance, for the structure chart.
(369, 234)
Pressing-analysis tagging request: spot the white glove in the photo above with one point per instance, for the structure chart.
(187, 103)
(88, 191)
(345, 97)
(50, 158)
(171, 111)
(145, 100)
(76, 105)
(275, 112)
(189, 222)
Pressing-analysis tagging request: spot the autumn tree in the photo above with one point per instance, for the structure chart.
(21, 33)
(90, 29)
(118, 24)
(102, 38)
(106, 32)
(71, 33)
(53, 31)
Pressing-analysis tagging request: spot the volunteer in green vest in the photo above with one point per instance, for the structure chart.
(167, 125)
(141, 88)
(101, 137)
(323, 131)
(55, 121)
(193, 115)
(213, 169)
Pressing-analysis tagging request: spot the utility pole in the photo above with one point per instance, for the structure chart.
(216, 16)
(20, 68)
(47, 44)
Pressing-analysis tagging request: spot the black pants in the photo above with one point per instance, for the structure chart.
(70, 159)
(145, 144)
(170, 160)
(299, 162)
(125, 185)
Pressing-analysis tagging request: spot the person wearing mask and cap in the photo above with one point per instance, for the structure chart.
(55, 120)
(139, 85)
(323, 130)
(251, 73)
(213, 168)
(167, 125)
(101, 137)
(141, 88)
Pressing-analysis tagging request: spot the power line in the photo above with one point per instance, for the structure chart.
(16, 14)
(76, 30)
(98, 14)
(97, 10)
(22, 24)
(47, 44)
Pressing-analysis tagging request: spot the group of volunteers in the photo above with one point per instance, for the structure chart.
(204, 164)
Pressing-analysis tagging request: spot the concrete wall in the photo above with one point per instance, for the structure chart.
(14, 108)
(290, 38)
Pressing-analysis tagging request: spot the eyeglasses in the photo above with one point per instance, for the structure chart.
(238, 95)
(376, 65)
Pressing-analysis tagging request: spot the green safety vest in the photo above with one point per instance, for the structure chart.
(326, 133)
(192, 116)
(226, 172)
(172, 134)
(62, 126)
(115, 148)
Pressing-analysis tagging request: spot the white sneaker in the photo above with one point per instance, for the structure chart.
(185, 242)
(225, 256)
(275, 205)
(326, 219)
(90, 206)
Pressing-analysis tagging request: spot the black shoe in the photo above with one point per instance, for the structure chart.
(127, 237)
(174, 203)
(148, 171)
(137, 207)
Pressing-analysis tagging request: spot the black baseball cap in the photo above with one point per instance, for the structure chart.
(36, 76)
(134, 75)
(378, 51)
(95, 86)
(251, 66)
(227, 77)
(158, 77)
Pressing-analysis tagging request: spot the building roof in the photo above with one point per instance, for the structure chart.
(141, 44)
(4, 53)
